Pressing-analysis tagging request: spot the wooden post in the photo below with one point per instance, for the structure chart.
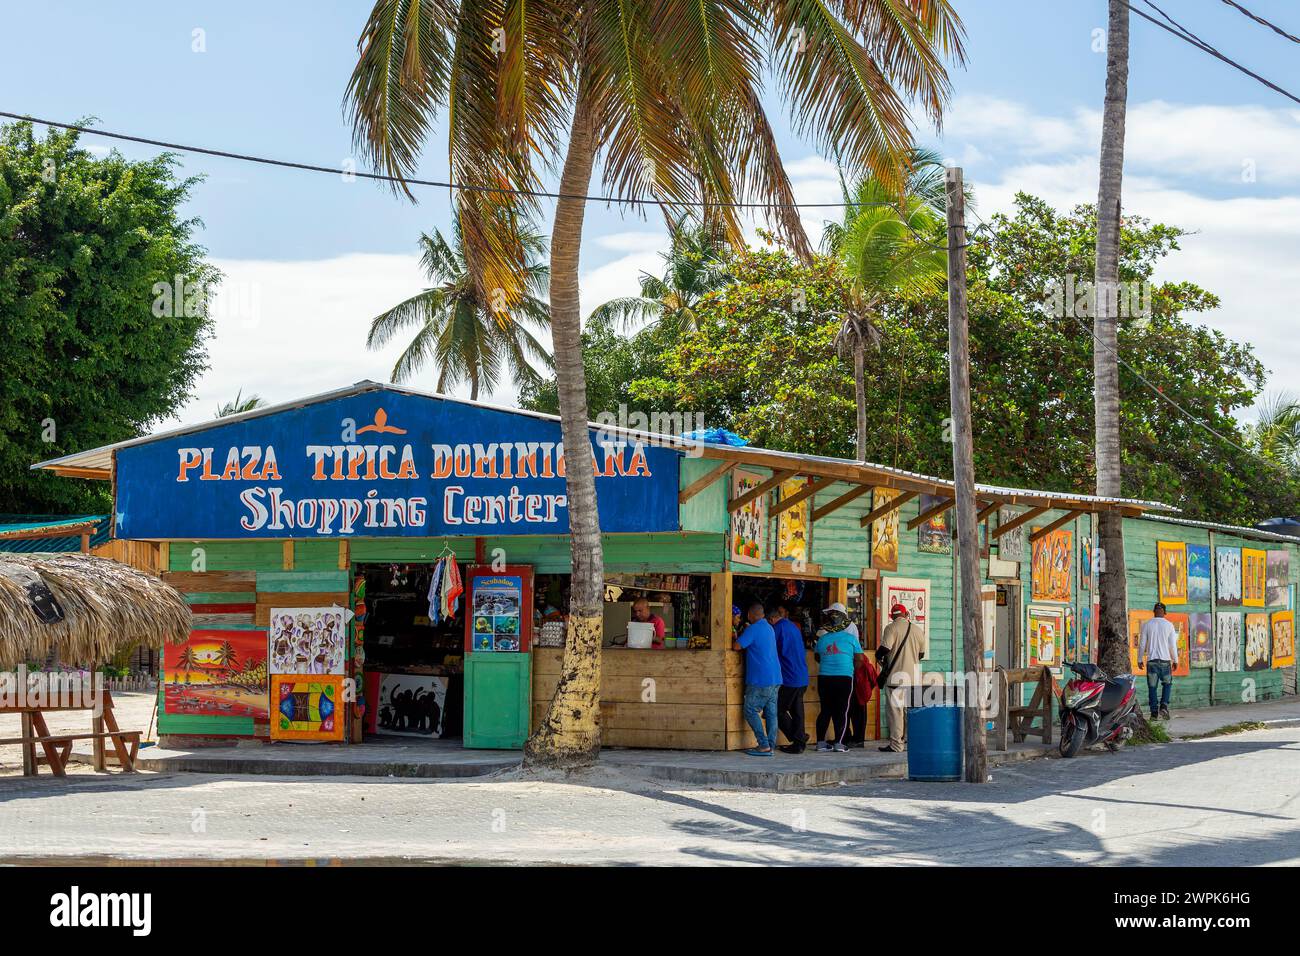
(720, 610)
(963, 473)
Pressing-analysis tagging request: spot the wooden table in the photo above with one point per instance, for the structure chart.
(57, 747)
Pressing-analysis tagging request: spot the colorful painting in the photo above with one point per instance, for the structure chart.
(912, 593)
(307, 707)
(1011, 546)
(1171, 563)
(1085, 562)
(792, 525)
(748, 524)
(934, 536)
(495, 610)
(1085, 634)
(1277, 578)
(1259, 642)
(308, 640)
(1046, 636)
(1052, 565)
(1135, 621)
(1254, 578)
(1202, 640)
(1198, 574)
(413, 705)
(1071, 637)
(217, 674)
(1227, 641)
(1227, 566)
(1283, 638)
(884, 531)
(1183, 625)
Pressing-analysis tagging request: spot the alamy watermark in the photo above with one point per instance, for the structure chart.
(22, 689)
(1077, 298)
(671, 429)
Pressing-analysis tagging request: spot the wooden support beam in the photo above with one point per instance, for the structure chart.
(85, 543)
(287, 556)
(897, 502)
(699, 484)
(345, 555)
(850, 495)
(762, 488)
(929, 513)
(1064, 519)
(987, 510)
(814, 486)
(720, 611)
(1015, 523)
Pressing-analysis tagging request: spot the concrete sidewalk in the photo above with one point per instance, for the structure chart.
(1204, 720)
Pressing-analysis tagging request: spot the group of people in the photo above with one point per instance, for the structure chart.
(776, 678)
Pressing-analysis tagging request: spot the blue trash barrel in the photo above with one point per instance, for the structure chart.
(934, 743)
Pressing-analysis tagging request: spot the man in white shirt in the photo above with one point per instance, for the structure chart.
(1158, 648)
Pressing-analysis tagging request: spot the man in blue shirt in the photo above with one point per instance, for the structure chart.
(794, 678)
(762, 680)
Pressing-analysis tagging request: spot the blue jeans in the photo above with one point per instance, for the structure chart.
(762, 701)
(1159, 672)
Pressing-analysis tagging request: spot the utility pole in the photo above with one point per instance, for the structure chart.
(963, 470)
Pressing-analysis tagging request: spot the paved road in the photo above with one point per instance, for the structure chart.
(1223, 801)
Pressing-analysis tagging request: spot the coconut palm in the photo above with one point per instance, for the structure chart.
(1112, 589)
(1276, 434)
(668, 94)
(187, 661)
(889, 246)
(466, 336)
(696, 263)
(226, 658)
(240, 404)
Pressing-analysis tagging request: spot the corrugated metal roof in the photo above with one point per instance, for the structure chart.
(14, 524)
(1231, 528)
(101, 459)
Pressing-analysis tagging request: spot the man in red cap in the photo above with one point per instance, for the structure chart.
(904, 645)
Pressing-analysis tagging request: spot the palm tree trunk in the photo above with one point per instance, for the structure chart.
(569, 735)
(860, 393)
(1113, 631)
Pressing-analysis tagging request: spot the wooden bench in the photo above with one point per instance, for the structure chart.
(57, 747)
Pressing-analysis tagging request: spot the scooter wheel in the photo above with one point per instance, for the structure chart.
(1073, 735)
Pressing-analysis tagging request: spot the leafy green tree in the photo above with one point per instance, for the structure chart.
(467, 336)
(98, 344)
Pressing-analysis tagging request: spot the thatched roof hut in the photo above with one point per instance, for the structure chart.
(106, 607)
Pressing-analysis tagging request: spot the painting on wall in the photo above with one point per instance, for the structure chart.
(912, 593)
(307, 707)
(1011, 546)
(412, 705)
(1052, 566)
(1259, 643)
(1171, 563)
(1085, 562)
(308, 640)
(1085, 634)
(1046, 636)
(792, 525)
(1277, 578)
(884, 531)
(1202, 640)
(217, 673)
(1253, 577)
(1182, 624)
(1227, 566)
(935, 535)
(1227, 641)
(1283, 638)
(1135, 621)
(748, 523)
(1198, 573)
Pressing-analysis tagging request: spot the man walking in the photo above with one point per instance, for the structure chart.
(762, 680)
(1158, 648)
(794, 679)
(904, 645)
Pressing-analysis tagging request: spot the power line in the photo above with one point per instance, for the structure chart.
(1260, 20)
(1188, 37)
(465, 187)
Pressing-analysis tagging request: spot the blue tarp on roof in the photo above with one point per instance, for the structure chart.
(12, 522)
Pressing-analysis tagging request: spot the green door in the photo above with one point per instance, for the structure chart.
(496, 700)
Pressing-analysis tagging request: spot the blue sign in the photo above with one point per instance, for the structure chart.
(384, 464)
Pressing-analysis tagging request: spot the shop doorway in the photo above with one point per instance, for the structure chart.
(1006, 651)
(414, 654)
(804, 599)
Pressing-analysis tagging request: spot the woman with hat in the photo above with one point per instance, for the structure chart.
(837, 652)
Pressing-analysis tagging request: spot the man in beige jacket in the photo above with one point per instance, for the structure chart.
(905, 644)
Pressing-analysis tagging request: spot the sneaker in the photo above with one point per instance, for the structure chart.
(790, 749)
(823, 746)
(840, 749)
(1164, 713)
(889, 750)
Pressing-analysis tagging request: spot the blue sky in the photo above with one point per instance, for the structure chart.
(312, 257)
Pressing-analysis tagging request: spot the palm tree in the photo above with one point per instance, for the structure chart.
(227, 658)
(697, 262)
(668, 94)
(1276, 434)
(240, 404)
(187, 661)
(1112, 593)
(466, 336)
(889, 247)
